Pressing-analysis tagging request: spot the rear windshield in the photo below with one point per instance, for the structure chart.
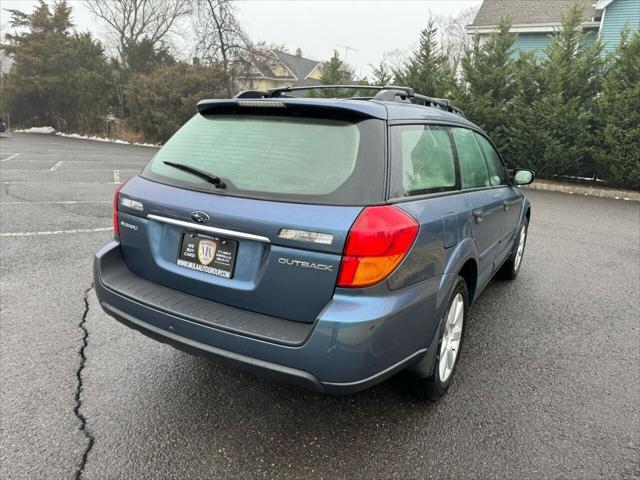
(311, 160)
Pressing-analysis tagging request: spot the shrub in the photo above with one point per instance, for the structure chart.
(163, 100)
(618, 141)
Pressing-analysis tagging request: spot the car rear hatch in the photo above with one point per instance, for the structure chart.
(270, 241)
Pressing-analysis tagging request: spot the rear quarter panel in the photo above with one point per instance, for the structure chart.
(444, 241)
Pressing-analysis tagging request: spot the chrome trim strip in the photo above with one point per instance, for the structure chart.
(204, 228)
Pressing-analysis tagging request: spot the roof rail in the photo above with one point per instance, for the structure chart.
(277, 92)
(394, 95)
(388, 93)
(442, 103)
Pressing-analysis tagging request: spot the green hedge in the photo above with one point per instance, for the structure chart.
(162, 101)
(574, 112)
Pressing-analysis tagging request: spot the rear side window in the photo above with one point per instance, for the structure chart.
(473, 168)
(312, 160)
(422, 160)
(497, 172)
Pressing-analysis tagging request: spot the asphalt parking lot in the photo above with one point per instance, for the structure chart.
(548, 385)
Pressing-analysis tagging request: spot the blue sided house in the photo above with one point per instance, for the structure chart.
(535, 20)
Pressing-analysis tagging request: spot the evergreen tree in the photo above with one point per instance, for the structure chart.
(618, 153)
(573, 64)
(517, 142)
(382, 74)
(334, 72)
(140, 57)
(85, 101)
(427, 70)
(143, 56)
(58, 78)
(163, 100)
(489, 72)
(552, 130)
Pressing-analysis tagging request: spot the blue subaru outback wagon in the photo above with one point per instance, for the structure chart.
(329, 243)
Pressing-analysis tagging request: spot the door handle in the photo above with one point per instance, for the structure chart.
(479, 215)
(508, 203)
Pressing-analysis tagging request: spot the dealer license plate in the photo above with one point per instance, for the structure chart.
(208, 253)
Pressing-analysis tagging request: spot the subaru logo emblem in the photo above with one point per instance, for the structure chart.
(200, 217)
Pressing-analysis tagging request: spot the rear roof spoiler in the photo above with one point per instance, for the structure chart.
(291, 107)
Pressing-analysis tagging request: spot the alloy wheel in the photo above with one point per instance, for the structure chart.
(452, 337)
(520, 251)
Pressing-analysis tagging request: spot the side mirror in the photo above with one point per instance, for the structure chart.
(522, 176)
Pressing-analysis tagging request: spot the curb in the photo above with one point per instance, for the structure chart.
(585, 190)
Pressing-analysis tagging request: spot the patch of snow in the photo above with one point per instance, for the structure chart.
(84, 137)
(37, 130)
(102, 139)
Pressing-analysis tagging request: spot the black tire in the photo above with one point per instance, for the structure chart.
(429, 385)
(510, 268)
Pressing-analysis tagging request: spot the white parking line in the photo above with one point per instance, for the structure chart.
(13, 155)
(47, 157)
(57, 164)
(116, 176)
(56, 202)
(17, 170)
(55, 232)
(46, 181)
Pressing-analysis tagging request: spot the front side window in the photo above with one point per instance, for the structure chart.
(313, 160)
(422, 160)
(473, 168)
(497, 172)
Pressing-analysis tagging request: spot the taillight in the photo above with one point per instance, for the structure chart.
(376, 244)
(116, 222)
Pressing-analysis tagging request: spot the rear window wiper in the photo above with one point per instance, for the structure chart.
(209, 177)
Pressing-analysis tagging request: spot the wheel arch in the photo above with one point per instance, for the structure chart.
(526, 209)
(464, 262)
(469, 271)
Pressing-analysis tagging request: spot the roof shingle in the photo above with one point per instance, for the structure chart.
(300, 66)
(525, 12)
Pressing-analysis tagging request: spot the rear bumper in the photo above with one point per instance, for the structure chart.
(359, 339)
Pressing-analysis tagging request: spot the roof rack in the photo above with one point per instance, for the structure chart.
(388, 93)
(443, 103)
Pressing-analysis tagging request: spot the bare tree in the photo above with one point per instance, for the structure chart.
(395, 59)
(220, 38)
(134, 20)
(452, 37)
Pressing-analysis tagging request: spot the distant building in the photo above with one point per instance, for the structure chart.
(535, 20)
(613, 16)
(280, 69)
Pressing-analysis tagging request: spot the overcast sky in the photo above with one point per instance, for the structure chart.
(315, 26)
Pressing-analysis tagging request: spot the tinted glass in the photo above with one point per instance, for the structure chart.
(473, 168)
(497, 172)
(296, 159)
(423, 161)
